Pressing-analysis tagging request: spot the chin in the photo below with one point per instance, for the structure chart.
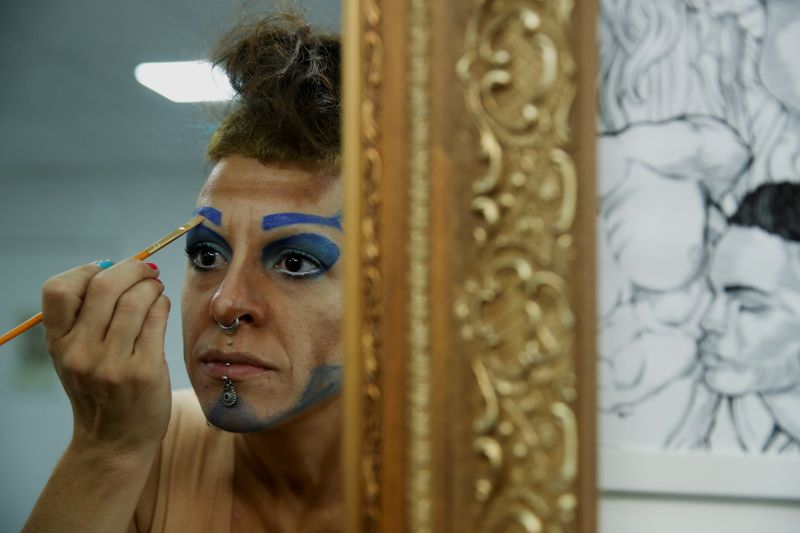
(323, 387)
(730, 382)
(241, 418)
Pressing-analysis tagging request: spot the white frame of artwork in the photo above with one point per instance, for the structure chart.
(631, 469)
(700, 474)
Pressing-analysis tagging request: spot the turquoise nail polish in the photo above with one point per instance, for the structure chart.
(104, 264)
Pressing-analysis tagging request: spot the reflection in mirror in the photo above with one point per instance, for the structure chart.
(94, 165)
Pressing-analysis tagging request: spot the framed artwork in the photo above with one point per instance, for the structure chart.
(698, 246)
(470, 324)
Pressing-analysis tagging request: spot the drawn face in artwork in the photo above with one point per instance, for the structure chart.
(267, 254)
(737, 8)
(779, 65)
(752, 329)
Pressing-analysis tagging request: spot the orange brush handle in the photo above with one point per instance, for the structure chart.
(144, 254)
(22, 328)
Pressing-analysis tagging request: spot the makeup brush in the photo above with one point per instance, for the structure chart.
(147, 252)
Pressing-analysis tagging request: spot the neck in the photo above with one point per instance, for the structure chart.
(300, 458)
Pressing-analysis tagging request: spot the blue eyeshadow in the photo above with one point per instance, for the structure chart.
(321, 248)
(204, 235)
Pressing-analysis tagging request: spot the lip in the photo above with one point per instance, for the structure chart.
(707, 352)
(713, 360)
(240, 365)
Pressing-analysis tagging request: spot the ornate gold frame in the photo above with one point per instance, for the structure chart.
(469, 168)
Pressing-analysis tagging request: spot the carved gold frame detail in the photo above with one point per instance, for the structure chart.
(469, 171)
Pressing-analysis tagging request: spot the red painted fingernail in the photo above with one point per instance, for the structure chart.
(152, 265)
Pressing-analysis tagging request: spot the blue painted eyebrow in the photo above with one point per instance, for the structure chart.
(279, 220)
(212, 215)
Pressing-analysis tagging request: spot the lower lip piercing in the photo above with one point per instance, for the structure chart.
(228, 396)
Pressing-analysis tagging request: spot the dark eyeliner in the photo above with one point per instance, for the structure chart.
(319, 267)
(317, 249)
(200, 238)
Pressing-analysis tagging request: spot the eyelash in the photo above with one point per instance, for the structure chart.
(194, 252)
(319, 268)
(753, 308)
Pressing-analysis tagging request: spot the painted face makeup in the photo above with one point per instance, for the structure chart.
(301, 256)
(324, 383)
(305, 255)
(268, 254)
(212, 215)
(279, 220)
(207, 249)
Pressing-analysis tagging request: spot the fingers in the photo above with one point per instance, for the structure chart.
(129, 314)
(98, 319)
(151, 337)
(62, 298)
(104, 292)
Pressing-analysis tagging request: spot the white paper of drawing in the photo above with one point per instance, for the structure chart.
(698, 230)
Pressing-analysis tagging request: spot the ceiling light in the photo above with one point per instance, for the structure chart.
(185, 81)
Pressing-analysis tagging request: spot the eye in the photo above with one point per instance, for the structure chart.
(752, 304)
(753, 307)
(205, 257)
(298, 264)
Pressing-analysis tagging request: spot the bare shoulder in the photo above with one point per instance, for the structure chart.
(192, 458)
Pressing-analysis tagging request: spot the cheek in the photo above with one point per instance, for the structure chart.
(765, 335)
(188, 325)
(194, 309)
(328, 341)
(325, 333)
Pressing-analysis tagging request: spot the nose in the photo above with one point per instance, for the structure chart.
(721, 327)
(714, 320)
(240, 296)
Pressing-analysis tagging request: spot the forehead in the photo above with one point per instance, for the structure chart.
(270, 187)
(751, 257)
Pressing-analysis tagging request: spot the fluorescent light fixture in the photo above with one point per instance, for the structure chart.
(185, 81)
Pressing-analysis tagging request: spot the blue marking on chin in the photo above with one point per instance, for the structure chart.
(324, 382)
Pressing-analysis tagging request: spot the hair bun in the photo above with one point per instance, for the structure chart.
(287, 80)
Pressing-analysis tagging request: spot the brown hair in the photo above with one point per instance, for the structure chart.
(288, 103)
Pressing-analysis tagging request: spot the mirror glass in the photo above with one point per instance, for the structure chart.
(93, 165)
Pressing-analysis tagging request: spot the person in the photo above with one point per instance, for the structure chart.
(255, 444)
(749, 395)
(692, 75)
(653, 289)
(660, 61)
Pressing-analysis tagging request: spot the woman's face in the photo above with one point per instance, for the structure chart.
(268, 254)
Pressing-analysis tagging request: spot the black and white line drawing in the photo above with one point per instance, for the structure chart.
(699, 153)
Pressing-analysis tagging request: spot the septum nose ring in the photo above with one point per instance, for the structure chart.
(228, 328)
